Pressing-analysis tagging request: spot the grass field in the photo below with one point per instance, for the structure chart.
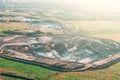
(12, 26)
(25, 70)
(39, 73)
(111, 73)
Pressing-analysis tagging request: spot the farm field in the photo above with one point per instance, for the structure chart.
(93, 27)
(115, 37)
(12, 26)
(99, 29)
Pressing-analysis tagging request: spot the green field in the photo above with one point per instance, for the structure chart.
(25, 70)
(40, 73)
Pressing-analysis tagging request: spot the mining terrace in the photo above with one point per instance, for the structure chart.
(61, 52)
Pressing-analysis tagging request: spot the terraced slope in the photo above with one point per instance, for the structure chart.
(70, 54)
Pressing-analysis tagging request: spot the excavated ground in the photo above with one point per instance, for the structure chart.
(61, 52)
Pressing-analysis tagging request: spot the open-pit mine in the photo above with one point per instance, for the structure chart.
(61, 52)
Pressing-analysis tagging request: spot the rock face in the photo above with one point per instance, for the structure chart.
(65, 53)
